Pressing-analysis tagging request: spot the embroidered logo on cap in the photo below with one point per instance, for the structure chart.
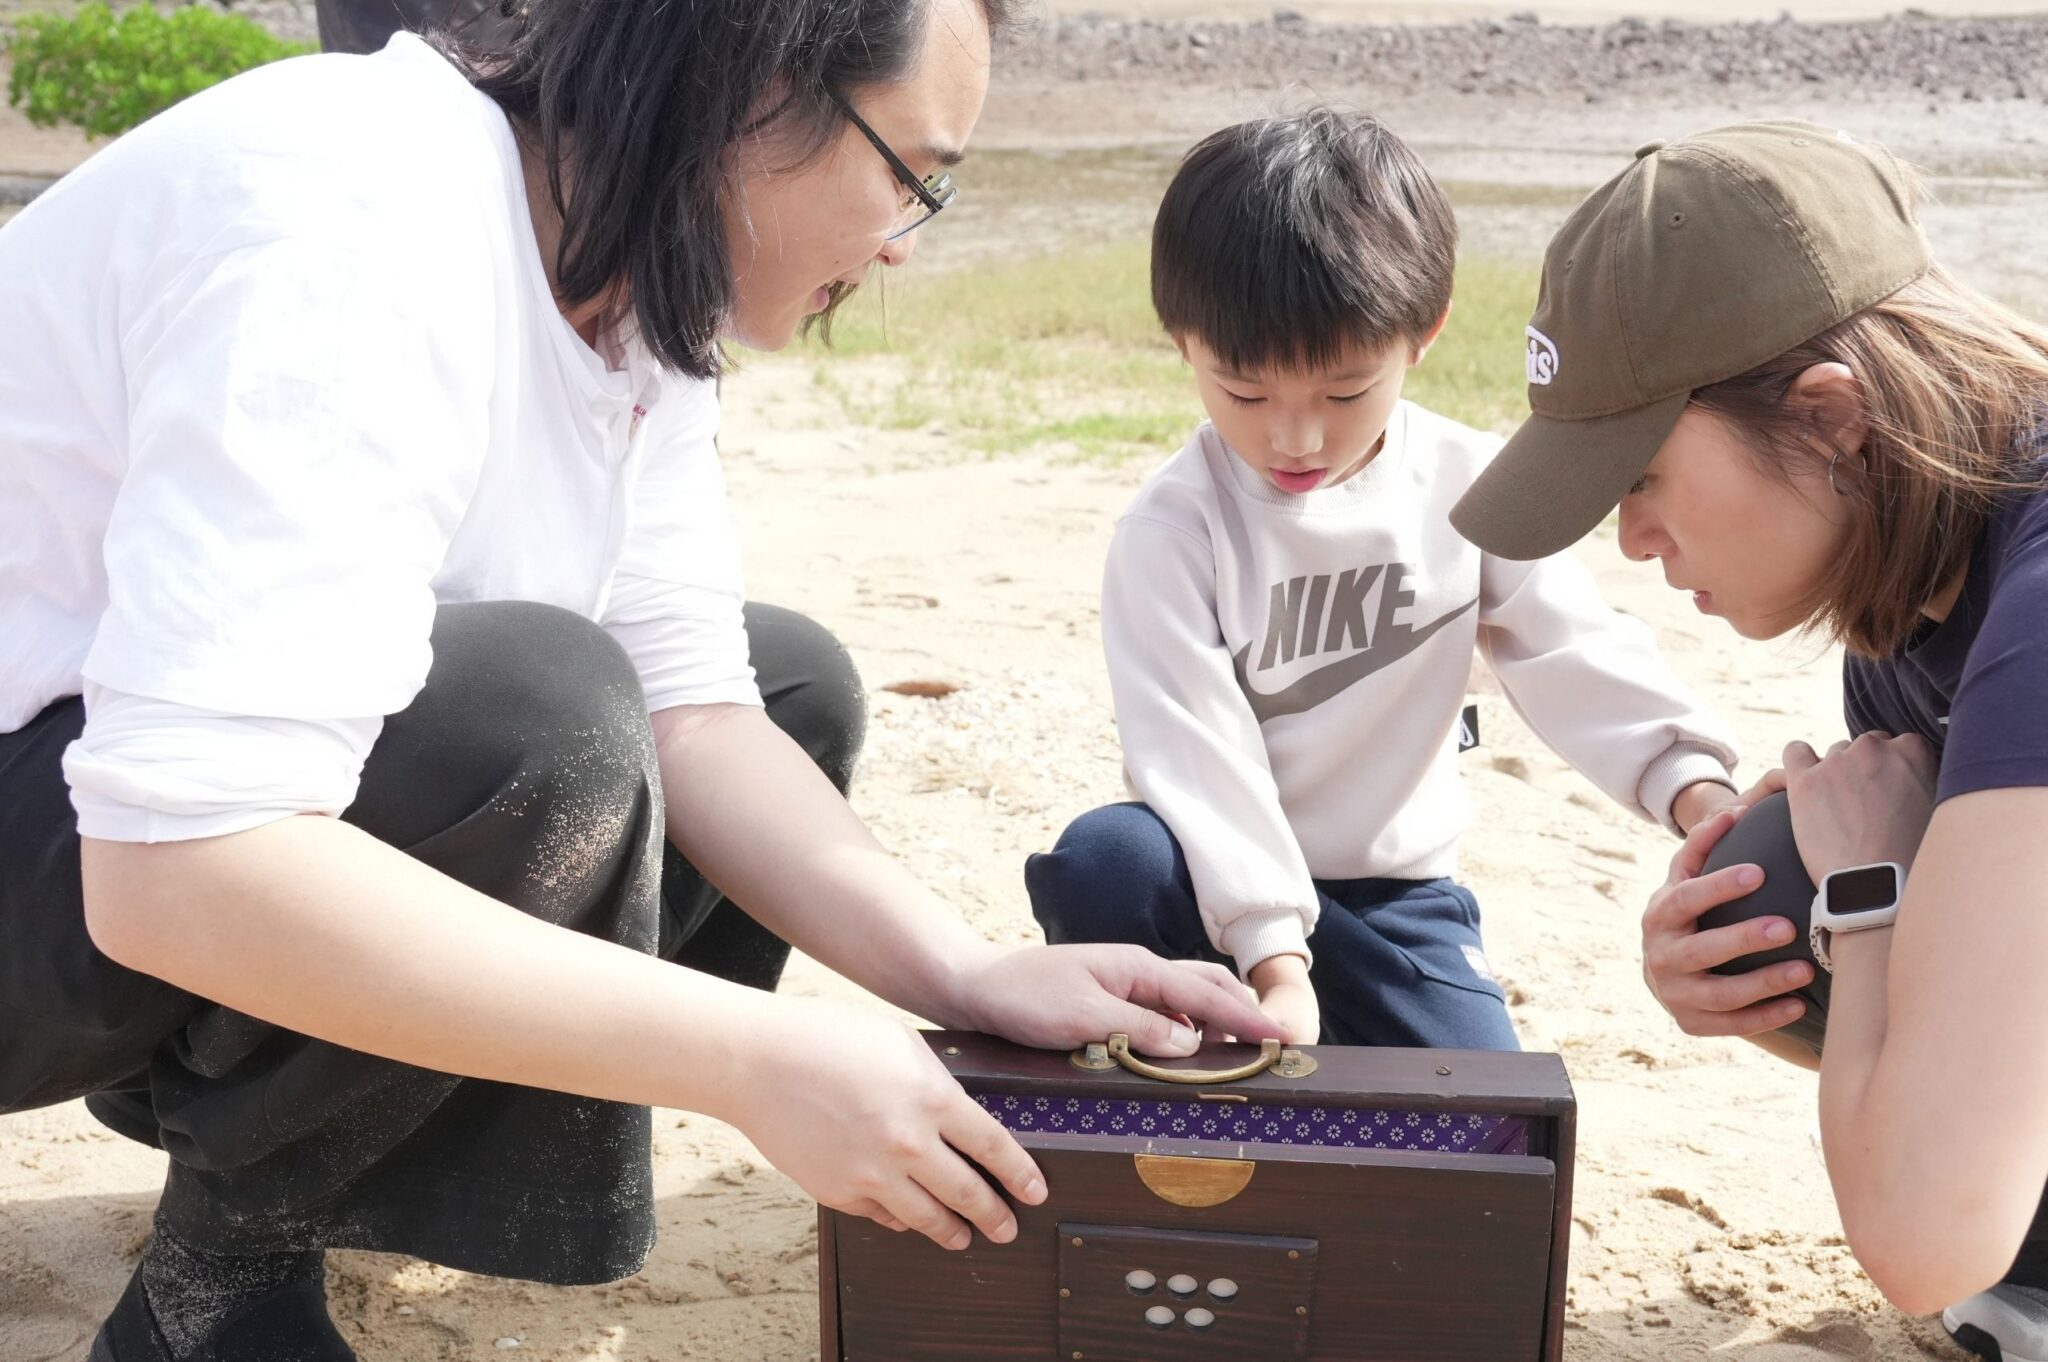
(1542, 358)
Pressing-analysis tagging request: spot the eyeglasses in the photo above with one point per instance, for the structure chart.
(922, 199)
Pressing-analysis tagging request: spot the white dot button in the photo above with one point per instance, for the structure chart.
(1159, 1317)
(1140, 1281)
(1198, 1318)
(1180, 1284)
(1223, 1288)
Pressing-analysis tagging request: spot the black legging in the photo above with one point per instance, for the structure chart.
(524, 769)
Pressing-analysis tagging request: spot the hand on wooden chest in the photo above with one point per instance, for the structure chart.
(1058, 997)
(1286, 996)
(856, 1108)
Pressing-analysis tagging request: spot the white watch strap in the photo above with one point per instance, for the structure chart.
(1817, 938)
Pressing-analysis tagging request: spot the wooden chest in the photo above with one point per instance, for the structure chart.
(1389, 1206)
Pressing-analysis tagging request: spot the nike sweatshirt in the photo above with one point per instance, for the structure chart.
(1288, 672)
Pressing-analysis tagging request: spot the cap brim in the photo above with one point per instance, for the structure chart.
(1554, 481)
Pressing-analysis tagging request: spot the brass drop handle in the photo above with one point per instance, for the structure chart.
(1099, 1056)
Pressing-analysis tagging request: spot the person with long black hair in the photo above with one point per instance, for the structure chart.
(379, 700)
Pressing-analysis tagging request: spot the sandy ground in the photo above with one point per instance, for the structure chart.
(1703, 1228)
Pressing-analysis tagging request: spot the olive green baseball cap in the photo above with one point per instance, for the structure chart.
(1703, 259)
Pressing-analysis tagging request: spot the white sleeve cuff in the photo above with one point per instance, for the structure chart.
(689, 661)
(1681, 764)
(1259, 936)
(148, 770)
(108, 821)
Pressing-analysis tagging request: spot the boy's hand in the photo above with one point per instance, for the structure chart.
(1286, 996)
(1702, 799)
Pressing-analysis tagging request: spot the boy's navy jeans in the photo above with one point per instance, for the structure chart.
(1397, 962)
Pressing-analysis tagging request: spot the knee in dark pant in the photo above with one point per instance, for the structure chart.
(1107, 864)
(811, 687)
(523, 659)
(530, 733)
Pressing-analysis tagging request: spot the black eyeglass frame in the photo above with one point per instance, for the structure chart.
(934, 195)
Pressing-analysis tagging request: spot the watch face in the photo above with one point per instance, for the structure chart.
(1862, 890)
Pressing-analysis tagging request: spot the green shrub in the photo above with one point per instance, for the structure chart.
(106, 75)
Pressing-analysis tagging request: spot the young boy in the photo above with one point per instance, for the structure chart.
(1289, 617)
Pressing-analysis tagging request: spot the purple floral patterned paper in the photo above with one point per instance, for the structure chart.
(1429, 1132)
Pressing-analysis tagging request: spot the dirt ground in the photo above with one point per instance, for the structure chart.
(1702, 1228)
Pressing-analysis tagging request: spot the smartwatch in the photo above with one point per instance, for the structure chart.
(1855, 900)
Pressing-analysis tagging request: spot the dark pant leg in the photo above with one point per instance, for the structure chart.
(1117, 875)
(1389, 955)
(71, 1020)
(1400, 962)
(2030, 1268)
(525, 769)
(813, 694)
(283, 1141)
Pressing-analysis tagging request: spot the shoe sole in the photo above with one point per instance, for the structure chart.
(1968, 1337)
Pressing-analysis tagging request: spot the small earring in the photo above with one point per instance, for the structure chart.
(1833, 459)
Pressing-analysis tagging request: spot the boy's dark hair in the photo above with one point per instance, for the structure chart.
(1283, 241)
(647, 97)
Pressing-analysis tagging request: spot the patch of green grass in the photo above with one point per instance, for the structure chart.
(1062, 351)
(105, 74)
(1476, 373)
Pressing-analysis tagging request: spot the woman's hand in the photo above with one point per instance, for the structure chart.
(858, 1111)
(1769, 783)
(1286, 996)
(1058, 997)
(1868, 801)
(1678, 958)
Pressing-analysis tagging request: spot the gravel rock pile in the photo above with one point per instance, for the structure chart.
(291, 20)
(1906, 54)
(1948, 59)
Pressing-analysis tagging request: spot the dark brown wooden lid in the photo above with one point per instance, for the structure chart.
(1508, 1084)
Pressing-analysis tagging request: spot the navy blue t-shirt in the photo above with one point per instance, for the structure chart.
(1975, 685)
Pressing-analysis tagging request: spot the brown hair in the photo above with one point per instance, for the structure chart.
(1954, 386)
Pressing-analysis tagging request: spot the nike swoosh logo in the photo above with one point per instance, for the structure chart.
(1325, 682)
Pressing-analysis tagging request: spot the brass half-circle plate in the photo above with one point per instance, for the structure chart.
(1194, 1182)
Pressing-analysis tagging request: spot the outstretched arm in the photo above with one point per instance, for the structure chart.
(1942, 1010)
(1592, 684)
(755, 814)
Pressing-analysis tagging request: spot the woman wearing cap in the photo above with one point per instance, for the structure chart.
(1809, 424)
(378, 700)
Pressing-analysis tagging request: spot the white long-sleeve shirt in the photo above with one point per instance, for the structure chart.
(280, 372)
(1288, 672)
